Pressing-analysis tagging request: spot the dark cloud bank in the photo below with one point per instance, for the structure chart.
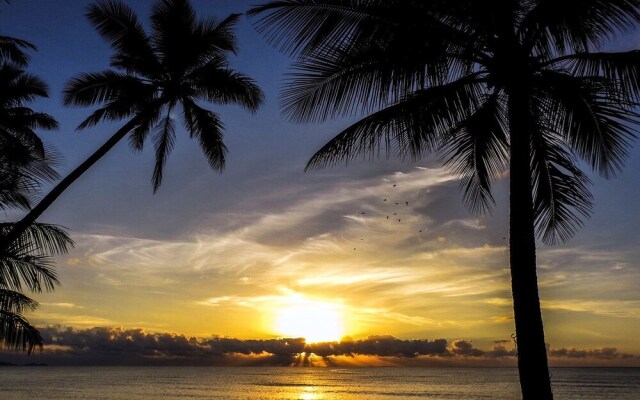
(116, 346)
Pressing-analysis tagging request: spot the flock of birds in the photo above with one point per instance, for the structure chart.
(395, 215)
(392, 216)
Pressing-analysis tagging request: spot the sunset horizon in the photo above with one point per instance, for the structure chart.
(388, 243)
(323, 187)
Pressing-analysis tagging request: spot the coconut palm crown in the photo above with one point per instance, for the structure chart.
(517, 86)
(154, 78)
(183, 61)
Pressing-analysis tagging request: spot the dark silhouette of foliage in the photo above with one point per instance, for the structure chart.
(24, 165)
(27, 262)
(490, 86)
(24, 162)
(179, 64)
(13, 50)
(15, 331)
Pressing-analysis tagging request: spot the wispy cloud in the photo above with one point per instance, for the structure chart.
(61, 305)
(610, 308)
(386, 249)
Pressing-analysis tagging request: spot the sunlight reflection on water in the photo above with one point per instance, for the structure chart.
(275, 383)
(310, 394)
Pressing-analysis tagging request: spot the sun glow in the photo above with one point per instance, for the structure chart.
(312, 320)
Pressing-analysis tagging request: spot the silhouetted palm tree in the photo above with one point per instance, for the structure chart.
(24, 166)
(515, 85)
(182, 62)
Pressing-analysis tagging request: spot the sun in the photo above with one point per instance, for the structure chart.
(313, 320)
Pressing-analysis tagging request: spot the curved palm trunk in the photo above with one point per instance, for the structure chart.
(20, 226)
(532, 352)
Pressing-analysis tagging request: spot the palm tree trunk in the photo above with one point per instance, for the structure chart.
(20, 226)
(532, 352)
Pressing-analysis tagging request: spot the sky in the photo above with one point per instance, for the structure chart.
(265, 251)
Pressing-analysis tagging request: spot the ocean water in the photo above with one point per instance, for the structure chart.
(273, 383)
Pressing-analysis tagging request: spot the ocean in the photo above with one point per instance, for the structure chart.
(276, 383)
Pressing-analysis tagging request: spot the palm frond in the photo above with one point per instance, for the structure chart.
(211, 38)
(88, 89)
(561, 191)
(13, 50)
(360, 56)
(16, 302)
(595, 122)
(41, 239)
(35, 272)
(18, 122)
(208, 129)
(173, 23)
(21, 176)
(410, 128)
(22, 121)
(20, 143)
(220, 32)
(17, 334)
(145, 121)
(19, 86)
(26, 261)
(164, 140)
(302, 26)
(224, 86)
(116, 22)
(24, 161)
(577, 24)
(113, 111)
(621, 68)
(122, 98)
(478, 152)
(10, 198)
(41, 169)
(357, 81)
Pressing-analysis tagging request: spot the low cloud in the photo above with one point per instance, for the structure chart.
(118, 346)
(605, 353)
(466, 349)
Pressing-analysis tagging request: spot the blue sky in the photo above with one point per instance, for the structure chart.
(221, 253)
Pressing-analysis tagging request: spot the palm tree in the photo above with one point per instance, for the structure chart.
(181, 63)
(491, 86)
(25, 165)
